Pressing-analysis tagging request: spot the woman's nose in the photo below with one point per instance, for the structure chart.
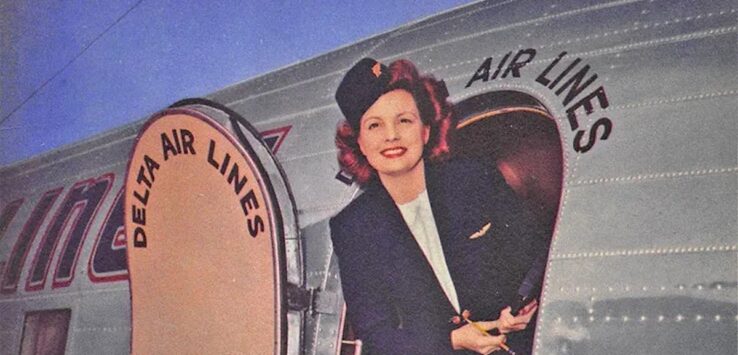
(391, 133)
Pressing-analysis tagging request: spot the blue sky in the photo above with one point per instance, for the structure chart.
(72, 69)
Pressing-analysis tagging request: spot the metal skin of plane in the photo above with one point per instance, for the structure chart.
(614, 120)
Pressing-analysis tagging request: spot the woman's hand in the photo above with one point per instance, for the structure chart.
(509, 323)
(470, 338)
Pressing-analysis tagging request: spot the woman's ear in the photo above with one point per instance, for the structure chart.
(426, 134)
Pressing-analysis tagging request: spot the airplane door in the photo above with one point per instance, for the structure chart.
(515, 133)
(212, 237)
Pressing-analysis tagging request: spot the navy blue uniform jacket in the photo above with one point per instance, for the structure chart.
(394, 300)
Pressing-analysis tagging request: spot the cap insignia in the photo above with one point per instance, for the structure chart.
(377, 69)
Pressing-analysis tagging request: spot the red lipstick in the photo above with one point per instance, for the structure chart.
(393, 152)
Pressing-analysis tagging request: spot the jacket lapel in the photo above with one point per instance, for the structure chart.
(390, 227)
(412, 272)
(457, 217)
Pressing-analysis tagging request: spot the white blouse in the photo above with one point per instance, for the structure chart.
(419, 218)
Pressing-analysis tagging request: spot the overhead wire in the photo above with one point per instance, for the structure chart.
(63, 68)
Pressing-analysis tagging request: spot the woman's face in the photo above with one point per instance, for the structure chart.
(392, 135)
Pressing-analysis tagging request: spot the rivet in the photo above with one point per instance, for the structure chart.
(575, 319)
(681, 287)
(590, 311)
(661, 318)
(679, 318)
(698, 318)
(699, 287)
(558, 320)
(625, 318)
(643, 318)
(627, 288)
(663, 288)
(644, 288)
(717, 317)
(577, 288)
(719, 286)
(609, 289)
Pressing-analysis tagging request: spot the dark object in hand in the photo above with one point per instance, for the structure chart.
(520, 302)
(531, 286)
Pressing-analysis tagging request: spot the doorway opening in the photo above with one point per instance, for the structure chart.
(515, 133)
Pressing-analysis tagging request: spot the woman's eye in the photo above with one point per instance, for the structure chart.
(406, 120)
(373, 125)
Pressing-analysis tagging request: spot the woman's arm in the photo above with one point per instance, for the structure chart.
(371, 310)
(524, 241)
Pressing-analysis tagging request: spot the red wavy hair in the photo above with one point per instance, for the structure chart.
(435, 111)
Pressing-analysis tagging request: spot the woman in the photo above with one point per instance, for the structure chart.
(431, 239)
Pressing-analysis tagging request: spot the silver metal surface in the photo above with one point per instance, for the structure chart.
(645, 251)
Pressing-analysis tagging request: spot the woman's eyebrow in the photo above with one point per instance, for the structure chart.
(407, 112)
(371, 118)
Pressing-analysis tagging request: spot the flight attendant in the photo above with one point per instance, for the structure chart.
(431, 240)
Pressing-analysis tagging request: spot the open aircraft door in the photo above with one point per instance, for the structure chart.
(515, 133)
(212, 237)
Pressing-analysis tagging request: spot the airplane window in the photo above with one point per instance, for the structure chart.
(45, 332)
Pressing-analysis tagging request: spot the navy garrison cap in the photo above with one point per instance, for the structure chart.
(364, 83)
